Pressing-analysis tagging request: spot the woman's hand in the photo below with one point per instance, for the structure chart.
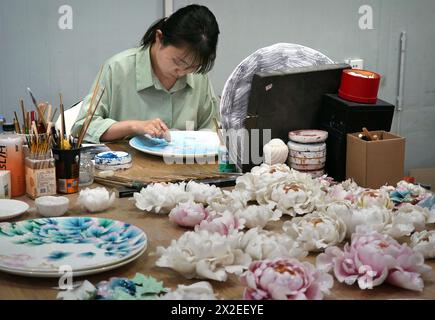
(155, 128)
(122, 129)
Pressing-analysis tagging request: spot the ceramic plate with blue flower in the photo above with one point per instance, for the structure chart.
(45, 245)
(184, 144)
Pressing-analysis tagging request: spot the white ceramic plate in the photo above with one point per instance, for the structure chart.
(12, 208)
(308, 136)
(306, 167)
(75, 273)
(43, 245)
(307, 155)
(315, 147)
(302, 161)
(184, 144)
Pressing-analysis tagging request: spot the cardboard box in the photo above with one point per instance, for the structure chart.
(424, 176)
(373, 164)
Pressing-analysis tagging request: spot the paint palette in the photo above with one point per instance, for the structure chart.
(185, 144)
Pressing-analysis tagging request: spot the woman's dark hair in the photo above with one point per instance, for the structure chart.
(194, 27)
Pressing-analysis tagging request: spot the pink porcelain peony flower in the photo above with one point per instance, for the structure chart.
(188, 214)
(373, 258)
(285, 279)
(223, 223)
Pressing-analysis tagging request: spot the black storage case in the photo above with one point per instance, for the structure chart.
(340, 117)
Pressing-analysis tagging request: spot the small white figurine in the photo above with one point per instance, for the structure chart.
(96, 200)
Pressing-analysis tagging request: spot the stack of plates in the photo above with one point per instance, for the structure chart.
(308, 151)
(49, 247)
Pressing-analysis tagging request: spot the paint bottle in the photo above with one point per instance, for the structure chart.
(225, 164)
(5, 184)
(12, 159)
(2, 121)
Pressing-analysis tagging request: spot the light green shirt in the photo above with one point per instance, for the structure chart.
(133, 92)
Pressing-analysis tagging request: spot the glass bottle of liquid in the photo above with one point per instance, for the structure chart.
(12, 159)
(225, 164)
(86, 176)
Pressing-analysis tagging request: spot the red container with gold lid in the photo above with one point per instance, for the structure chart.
(359, 86)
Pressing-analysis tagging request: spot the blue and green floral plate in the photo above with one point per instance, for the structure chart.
(184, 144)
(41, 247)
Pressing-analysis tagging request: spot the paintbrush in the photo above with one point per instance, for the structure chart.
(218, 131)
(86, 125)
(94, 94)
(23, 110)
(62, 115)
(17, 124)
(38, 109)
(35, 103)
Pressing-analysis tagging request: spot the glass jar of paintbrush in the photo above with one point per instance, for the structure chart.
(39, 166)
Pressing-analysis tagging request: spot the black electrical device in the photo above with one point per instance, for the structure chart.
(340, 117)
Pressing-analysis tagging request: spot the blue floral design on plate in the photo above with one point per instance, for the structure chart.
(58, 255)
(115, 237)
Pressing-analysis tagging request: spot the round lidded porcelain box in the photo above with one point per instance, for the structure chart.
(113, 160)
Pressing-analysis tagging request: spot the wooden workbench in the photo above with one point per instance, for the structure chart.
(160, 232)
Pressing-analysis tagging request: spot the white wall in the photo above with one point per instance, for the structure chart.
(35, 53)
(332, 27)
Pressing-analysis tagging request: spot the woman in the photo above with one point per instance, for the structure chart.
(160, 85)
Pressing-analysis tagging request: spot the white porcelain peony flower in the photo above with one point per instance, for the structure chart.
(295, 198)
(161, 198)
(203, 193)
(376, 218)
(270, 169)
(316, 231)
(197, 291)
(84, 291)
(229, 201)
(261, 177)
(248, 185)
(325, 182)
(95, 200)
(204, 255)
(370, 198)
(424, 242)
(262, 244)
(339, 208)
(350, 185)
(345, 191)
(407, 219)
(416, 190)
(258, 216)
